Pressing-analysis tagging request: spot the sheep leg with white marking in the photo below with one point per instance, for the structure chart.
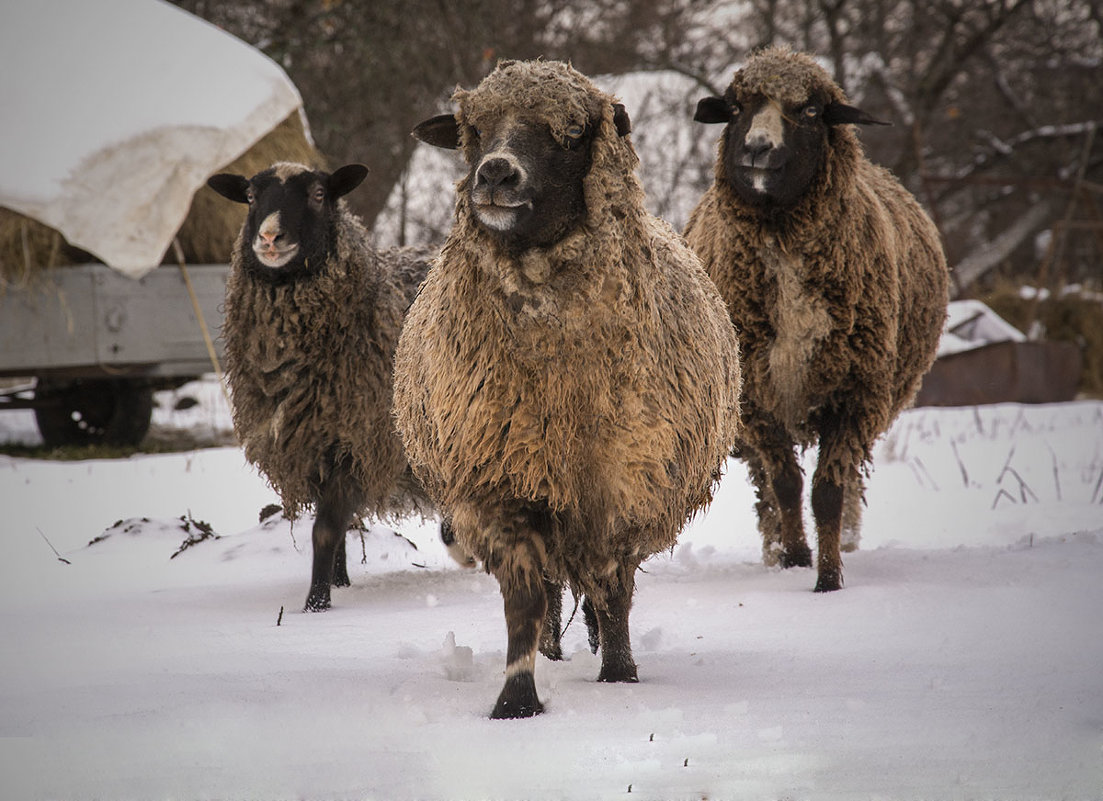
(518, 562)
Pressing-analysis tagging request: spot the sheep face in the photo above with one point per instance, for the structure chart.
(527, 134)
(773, 149)
(290, 227)
(781, 110)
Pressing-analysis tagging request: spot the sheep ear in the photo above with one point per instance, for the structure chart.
(440, 131)
(230, 186)
(711, 110)
(621, 119)
(345, 179)
(842, 114)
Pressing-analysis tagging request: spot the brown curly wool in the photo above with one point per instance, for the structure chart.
(309, 364)
(596, 378)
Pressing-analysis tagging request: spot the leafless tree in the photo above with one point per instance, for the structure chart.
(996, 103)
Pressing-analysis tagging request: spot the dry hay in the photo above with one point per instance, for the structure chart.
(1069, 317)
(29, 248)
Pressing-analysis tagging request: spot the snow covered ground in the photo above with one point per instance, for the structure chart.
(962, 660)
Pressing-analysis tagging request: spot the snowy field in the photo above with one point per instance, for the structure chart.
(963, 660)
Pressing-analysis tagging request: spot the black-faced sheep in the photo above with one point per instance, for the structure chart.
(837, 285)
(313, 315)
(567, 380)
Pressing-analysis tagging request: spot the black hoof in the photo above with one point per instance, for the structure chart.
(342, 581)
(317, 601)
(618, 673)
(829, 582)
(798, 556)
(518, 699)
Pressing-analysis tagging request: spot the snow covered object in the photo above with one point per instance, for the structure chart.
(116, 112)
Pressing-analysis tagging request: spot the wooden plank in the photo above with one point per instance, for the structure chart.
(91, 316)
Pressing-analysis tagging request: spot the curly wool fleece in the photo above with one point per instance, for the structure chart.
(597, 378)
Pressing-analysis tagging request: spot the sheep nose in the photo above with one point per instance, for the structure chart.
(758, 146)
(497, 172)
(270, 237)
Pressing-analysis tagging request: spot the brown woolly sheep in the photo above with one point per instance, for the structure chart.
(313, 315)
(567, 380)
(837, 285)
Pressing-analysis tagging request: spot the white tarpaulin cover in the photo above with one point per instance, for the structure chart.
(971, 324)
(115, 111)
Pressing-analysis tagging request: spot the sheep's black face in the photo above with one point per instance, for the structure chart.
(771, 153)
(290, 227)
(525, 185)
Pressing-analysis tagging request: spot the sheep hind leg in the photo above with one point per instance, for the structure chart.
(612, 612)
(853, 495)
(788, 486)
(339, 499)
(551, 645)
(341, 565)
(769, 522)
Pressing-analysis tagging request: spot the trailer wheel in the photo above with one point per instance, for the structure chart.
(104, 411)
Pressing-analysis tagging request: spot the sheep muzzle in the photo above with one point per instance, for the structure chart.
(499, 194)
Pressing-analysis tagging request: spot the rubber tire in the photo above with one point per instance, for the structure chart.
(107, 411)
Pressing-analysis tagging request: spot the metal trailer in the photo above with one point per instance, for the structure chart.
(98, 344)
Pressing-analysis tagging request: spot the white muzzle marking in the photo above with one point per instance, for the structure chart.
(264, 245)
(767, 127)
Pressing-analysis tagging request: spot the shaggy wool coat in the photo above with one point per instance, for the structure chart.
(596, 379)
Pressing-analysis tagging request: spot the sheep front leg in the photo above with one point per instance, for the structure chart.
(837, 475)
(336, 506)
(518, 563)
(612, 625)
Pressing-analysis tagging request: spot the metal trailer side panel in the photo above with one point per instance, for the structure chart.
(90, 316)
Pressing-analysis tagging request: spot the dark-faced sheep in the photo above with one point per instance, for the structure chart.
(313, 315)
(567, 380)
(837, 285)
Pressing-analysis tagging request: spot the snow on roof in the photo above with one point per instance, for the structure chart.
(971, 324)
(115, 112)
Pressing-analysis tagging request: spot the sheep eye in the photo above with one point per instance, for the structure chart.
(250, 196)
(477, 131)
(735, 109)
(318, 194)
(811, 112)
(575, 131)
